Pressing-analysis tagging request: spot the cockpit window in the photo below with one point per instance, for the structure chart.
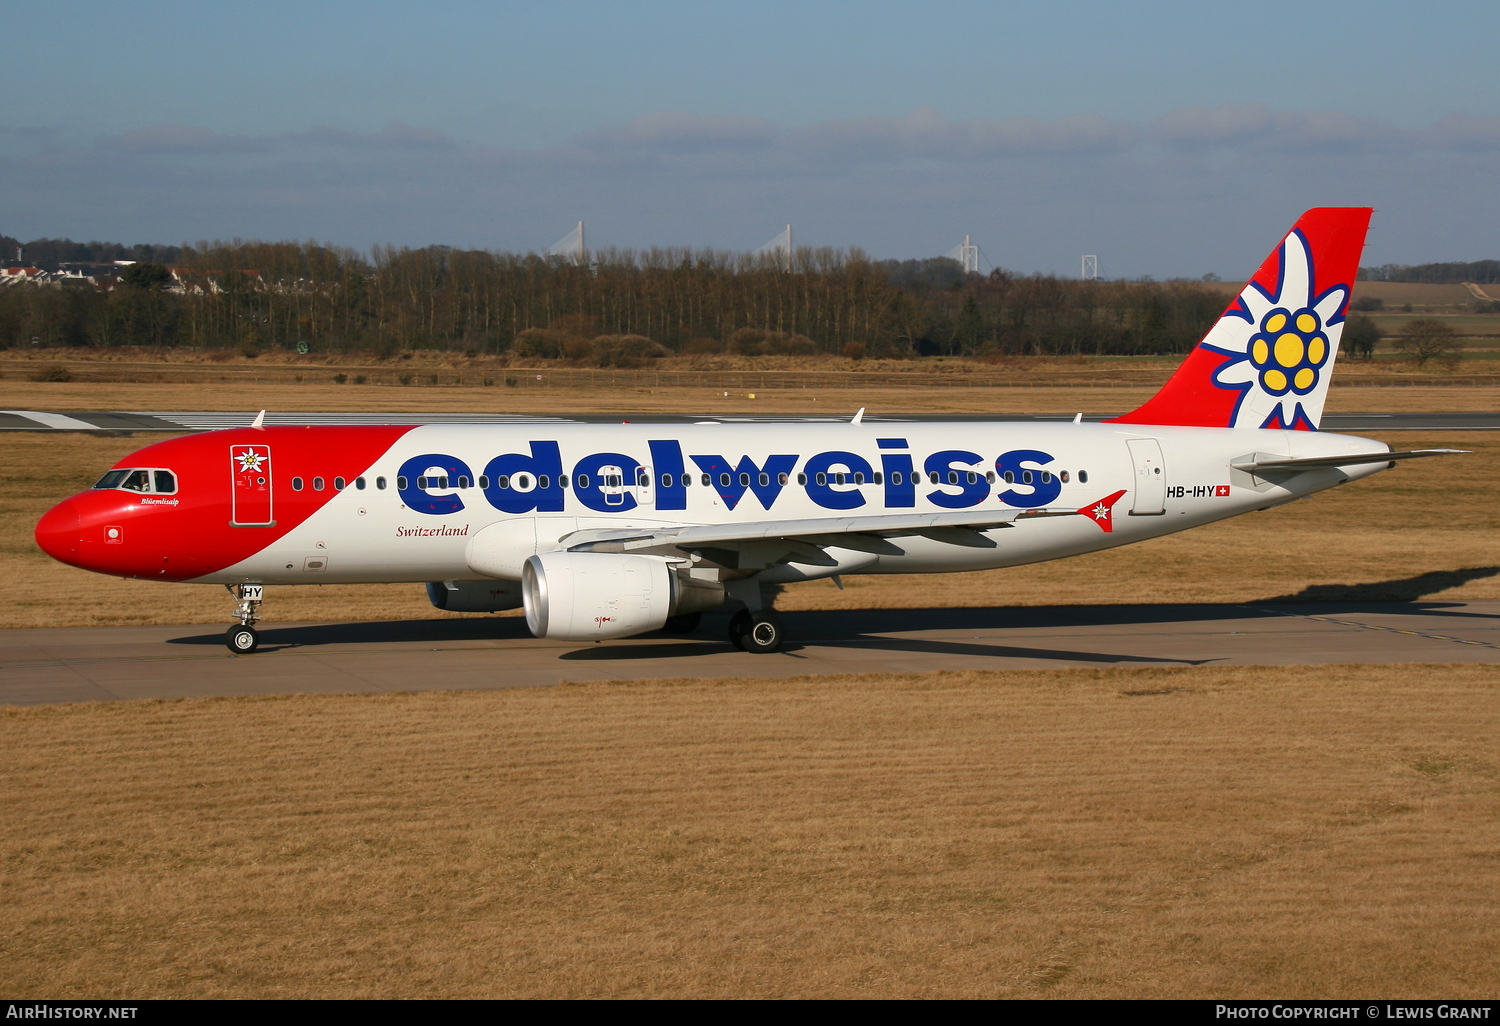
(162, 482)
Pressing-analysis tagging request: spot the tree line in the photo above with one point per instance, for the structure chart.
(258, 295)
(1480, 272)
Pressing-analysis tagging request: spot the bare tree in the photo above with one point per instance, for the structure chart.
(1426, 339)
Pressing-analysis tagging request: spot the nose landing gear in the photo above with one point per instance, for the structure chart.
(243, 638)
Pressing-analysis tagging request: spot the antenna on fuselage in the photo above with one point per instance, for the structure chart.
(859, 417)
(260, 420)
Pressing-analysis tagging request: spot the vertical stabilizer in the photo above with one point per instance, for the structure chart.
(1267, 361)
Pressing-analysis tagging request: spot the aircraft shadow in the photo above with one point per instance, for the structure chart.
(1400, 596)
(917, 645)
(1406, 589)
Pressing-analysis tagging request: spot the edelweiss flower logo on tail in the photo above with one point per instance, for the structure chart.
(1280, 345)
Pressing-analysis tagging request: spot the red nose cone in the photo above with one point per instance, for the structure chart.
(58, 532)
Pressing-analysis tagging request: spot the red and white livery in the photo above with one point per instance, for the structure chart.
(608, 530)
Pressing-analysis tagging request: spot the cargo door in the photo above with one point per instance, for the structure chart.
(250, 486)
(1149, 496)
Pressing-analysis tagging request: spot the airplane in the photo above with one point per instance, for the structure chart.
(606, 531)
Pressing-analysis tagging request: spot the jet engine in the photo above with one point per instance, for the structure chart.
(591, 596)
(474, 596)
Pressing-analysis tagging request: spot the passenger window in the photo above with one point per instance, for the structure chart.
(838, 478)
(359, 484)
(744, 480)
(166, 482)
(484, 480)
(296, 484)
(583, 480)
(822, 479)
(463, 482)
(666, 480)
(503, 481)
(1010, 477)
(543, 481)
(990, 477)
(781, 479)
(137, 481)
(859, 478)
(1046, 477)
(401, 484)
(896, 477)
(802, 479)
(879, 477)
(932, 477)
(562, 481)
(706, 481)
(953, 477)
(723, 480)
(338, 484)
(380, 483)
(972, 478)
(1064, 476)
(1083, 477)
(317, 484)
(764, 480)
(1026, 477)
(112, 479)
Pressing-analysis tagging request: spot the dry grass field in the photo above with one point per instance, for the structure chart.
(1225, 833)
(1426, 529)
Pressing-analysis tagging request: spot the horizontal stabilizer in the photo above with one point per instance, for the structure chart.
(1353, 459)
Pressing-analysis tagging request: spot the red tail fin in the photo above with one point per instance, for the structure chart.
(1267, 361)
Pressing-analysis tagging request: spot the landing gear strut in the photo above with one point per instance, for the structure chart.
(243, 638)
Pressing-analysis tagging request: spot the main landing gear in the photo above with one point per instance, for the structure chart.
(757, 632)
(243, 638)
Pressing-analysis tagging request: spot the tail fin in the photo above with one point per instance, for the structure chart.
(1267, 361)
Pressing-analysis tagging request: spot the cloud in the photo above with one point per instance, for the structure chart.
(180, 139)
(1255, 126)
(396, 135)
(1461, 132)
(190, 139)
(1192, 191)
(926, 133)
(675, 131)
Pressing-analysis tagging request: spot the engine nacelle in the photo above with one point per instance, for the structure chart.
(474, 596)
(591, 596)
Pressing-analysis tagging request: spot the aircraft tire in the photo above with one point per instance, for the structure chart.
(763, 633)
(242, 640)
(685, 623)
(739, 623)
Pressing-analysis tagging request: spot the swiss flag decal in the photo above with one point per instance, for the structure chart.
(1103, 511)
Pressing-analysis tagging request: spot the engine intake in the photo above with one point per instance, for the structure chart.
(592, 596)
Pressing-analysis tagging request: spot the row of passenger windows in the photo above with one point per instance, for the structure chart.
(525, 482)
(165, 482)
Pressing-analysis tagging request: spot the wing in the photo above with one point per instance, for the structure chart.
(804, 541)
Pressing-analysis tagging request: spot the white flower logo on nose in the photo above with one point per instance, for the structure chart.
(250, 461)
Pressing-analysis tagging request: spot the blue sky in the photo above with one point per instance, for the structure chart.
(1169, 138)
